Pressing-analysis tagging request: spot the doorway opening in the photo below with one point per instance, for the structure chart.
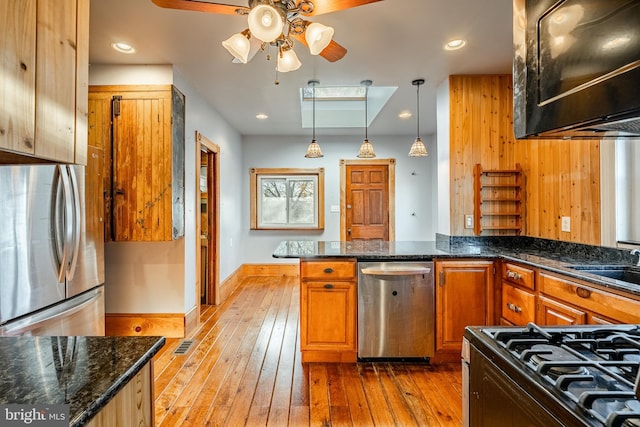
(207, 221)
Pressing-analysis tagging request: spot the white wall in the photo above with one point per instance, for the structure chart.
(159, 277)
(444, 184)
(415, 187)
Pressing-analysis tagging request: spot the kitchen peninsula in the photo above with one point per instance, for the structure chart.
(478, 281)
(106, 381)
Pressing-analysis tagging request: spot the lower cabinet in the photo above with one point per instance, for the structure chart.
(328, 311)
(132, 405)
(464, 297)
(552, 312)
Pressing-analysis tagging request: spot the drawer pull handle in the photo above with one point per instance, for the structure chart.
(583, 293)
(514, 275)
(328, 286)
(328, 270)
(514, 308)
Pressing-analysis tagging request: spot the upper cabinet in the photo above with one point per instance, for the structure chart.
(43, 86)
(141, 129)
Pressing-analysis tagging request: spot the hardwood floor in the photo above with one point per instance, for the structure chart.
(244, 369)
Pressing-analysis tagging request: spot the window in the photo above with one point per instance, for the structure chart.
(287, 199)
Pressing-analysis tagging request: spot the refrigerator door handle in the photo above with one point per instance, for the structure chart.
(63, 208)
(76, 224)
(39, 319)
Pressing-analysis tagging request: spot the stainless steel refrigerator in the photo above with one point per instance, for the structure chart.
(51, 264)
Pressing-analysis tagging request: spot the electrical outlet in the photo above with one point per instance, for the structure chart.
(566, 224)
(468, 221)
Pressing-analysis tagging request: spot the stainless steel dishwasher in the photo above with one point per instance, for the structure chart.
(396, 310)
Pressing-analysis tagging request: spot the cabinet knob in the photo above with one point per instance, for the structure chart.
(514, 275)
(328, 270)
(328, 286)
(514, 308)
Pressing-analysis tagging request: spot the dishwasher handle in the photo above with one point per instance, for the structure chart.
(403, 271)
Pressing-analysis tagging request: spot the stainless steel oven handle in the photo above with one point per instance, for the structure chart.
(404, 271)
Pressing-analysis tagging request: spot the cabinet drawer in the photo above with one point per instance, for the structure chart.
(519, 275)
(328, 270)
(518, 306)
(615, 307)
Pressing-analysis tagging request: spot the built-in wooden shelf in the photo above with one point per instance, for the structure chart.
(497, 200)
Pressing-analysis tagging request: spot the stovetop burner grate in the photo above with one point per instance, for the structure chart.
(594, 367)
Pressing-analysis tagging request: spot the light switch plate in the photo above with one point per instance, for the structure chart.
(566, 224)
(335, 208)
(468, 221)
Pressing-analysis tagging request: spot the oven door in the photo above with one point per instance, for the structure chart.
(492, 399)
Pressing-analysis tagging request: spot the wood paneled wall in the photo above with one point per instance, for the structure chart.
(562, 178)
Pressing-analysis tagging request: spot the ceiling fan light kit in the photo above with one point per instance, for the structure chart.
(318, 37)
(266, 22)
(239, 46)
(287, 60)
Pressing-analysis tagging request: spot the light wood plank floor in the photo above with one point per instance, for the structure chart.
(245, 369)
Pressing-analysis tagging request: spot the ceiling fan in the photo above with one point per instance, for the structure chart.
(276, 23)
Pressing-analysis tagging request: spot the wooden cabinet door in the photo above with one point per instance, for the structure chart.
(464, 295)
(328, 316)
(142, 174)
(552, 312)
(18, 79)
(56, 80)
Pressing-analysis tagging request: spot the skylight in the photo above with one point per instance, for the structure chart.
(342, 106)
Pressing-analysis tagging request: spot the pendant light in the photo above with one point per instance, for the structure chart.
(314, 151)
(418, 149)
(366, 149)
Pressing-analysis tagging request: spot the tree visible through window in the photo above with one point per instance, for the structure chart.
(287, 198)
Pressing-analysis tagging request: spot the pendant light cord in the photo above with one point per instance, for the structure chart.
(314, 112)
(366, 112)
(418, 111)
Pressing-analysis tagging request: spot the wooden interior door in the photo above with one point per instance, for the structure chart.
(367, 202)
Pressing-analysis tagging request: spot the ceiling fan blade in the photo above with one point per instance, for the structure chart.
(203, 6)
(332, 53)
(326, 6)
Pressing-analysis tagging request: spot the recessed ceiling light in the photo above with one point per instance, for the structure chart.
(261, 116)
(123, 47)
(455, 44)
(404, 114)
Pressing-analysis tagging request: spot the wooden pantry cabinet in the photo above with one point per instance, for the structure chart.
(464, 297)
(142, 131)
(328, 310)
(43, 86)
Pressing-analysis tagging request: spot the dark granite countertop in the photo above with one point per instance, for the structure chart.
(83, 372)
(550, 255)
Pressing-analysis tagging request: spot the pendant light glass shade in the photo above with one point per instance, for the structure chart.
(239, 46)
(265, 22)
(287, 61)
(366, 149)
(418, 149)
(314, 151)
(318, 37)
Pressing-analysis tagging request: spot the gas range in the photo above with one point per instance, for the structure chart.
(587, 373)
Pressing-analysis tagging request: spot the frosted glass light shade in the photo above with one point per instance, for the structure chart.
(418, 149)
(238, 45)
(318, 37)
(288, 61)
(265, 23)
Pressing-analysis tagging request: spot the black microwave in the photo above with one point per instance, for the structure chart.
(576, 68)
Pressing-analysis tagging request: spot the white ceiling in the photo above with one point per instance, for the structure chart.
(391, 42)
